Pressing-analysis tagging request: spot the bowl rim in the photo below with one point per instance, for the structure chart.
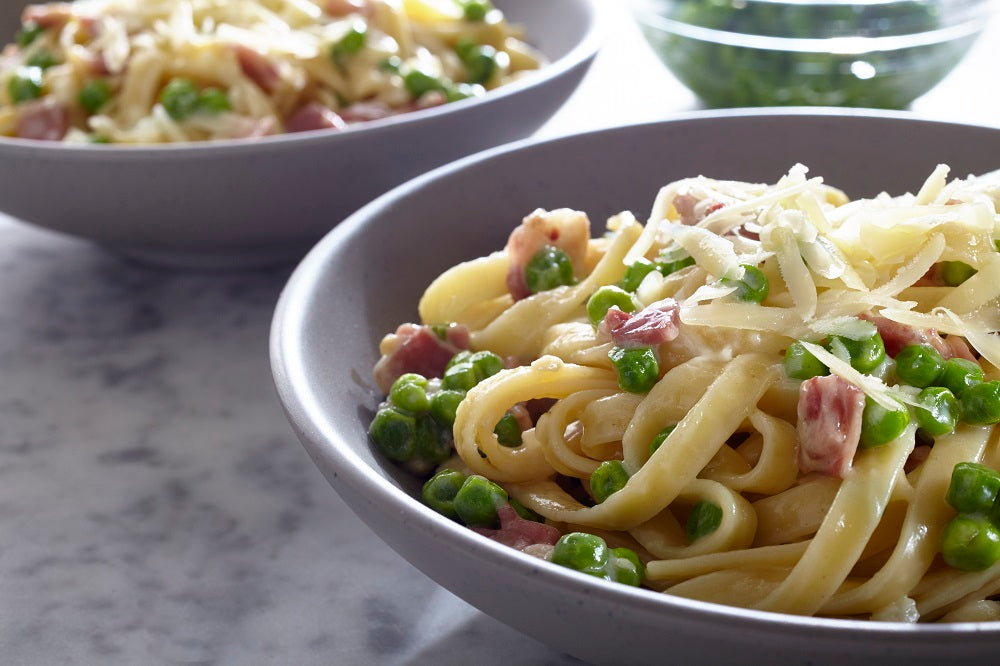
(324, 445)
(585, 47)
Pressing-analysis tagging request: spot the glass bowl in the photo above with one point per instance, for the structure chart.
(860, 53)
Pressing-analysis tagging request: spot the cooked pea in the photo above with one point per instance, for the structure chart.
(660, 438)
(508, 431)
(980, 404)
(25, 84)
(606, 297)
(549, 268)
(97, 138)
(394, 433)
(672, 266)
(705, 518)
(626, 567)
(865, 355)
(180, 98)
(432, 445)
(938, 412)
(391, 64)
(409, 392)
(94, 94)
(919, 365)
(439, 492)
(801, 364)
(973, 488)
(475, 10)
(41, 59)
(27, 33)
(480, 60)
(959, 374)
(954, 273)
(637, 368)
(455, 92)
(609, 477)
(486, 364)
(477, 501)
(213, 100)
(880, 425)
(635, 273)
(971, 542)
(753, 287)
(352, 42)
(582, 552)
(419, 82)
(444, 406)
(524, 511)
(461, 357)
(460, 377)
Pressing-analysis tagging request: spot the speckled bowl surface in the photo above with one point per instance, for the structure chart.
(233, 203)
(366, 276)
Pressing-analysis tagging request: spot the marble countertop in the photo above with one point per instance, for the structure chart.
(155, 505)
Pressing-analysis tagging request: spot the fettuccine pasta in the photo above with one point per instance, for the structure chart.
(767, 396)
(160, 71)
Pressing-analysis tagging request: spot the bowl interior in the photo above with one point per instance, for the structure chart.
(366, 277)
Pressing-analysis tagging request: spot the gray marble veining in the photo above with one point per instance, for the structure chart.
(155, 506)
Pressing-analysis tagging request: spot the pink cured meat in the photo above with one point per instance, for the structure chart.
(314, 116)
(829, 424)
(257, 67)
(518, 532)
(44, 120)
(567, 230)
(652, 326)
(896, 336)
(416, 348)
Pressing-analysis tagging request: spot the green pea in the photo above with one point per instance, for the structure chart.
(637, 368)
(582, 552)
(508, 431)
(419, 82)
(439, 492)
(801, 364)
(524, 511)
(444, 406)
(391, 64)
(477, 501)
(409, 392)
(970, 542)
(549, 268)
(455, 92)
(959, 374)
(938, 412)
(460, 377)
(41, 59)
(25, 84)
(660, 438)
(954, 273)
(27, 34)
(179, 98)
(865, 355)
(980, 404)
(432, 445)
(475, 10)
(973, 488)
(213, 100)
(97, 138)
(705, 518)
(606, 297)
(919, 365)
(94, 94)
(753, 287)
(480, 64)
(880, 425)
(486, 364)
(609, 477)
(461, 357)
(671, 267)
(626, 567)
(349, 44)
(394, 433)
(635, 274)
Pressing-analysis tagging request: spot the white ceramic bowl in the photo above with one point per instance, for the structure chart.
(366, 276)
(253, 201)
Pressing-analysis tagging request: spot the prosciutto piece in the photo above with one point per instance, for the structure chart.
(43, 119)
(568, 230)
(896, 336)
(313, 116)
(257, 67)
(829, 424)
(417, 348)
(693, 210)
(518, 532)
(655, 324)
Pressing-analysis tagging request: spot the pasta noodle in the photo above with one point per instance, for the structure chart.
(734, 393)
(160, 71)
